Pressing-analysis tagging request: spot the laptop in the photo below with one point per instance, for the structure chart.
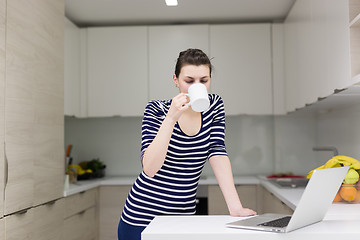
(312, 207)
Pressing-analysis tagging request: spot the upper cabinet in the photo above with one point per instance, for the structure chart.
(117, 71)
(354, 19)
(317, 43)
(242, 61)
(165, 44)
(72, 67)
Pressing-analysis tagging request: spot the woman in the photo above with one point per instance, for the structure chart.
(176, 143)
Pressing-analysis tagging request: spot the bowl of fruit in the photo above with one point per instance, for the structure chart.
(349, 191)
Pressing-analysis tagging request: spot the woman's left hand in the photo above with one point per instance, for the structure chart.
(243, 212)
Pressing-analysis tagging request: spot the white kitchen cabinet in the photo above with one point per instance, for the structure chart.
(72, 67)
(81, 216)
(2, 105)
(354, 18)
(165, 44)
(317, 47)
(112, 201)
(117, 71)
(242, 59)
(34, 120)
(249, 197)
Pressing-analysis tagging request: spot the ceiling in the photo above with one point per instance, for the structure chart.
(85, 13)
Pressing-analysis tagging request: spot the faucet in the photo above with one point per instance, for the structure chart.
(332, 149)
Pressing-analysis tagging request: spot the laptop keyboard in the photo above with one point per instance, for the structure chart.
(280, 222)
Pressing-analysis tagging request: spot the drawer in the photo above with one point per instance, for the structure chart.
(2, 229)
(79, 202)
(81, 226)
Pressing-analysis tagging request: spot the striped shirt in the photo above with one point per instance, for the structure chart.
(172, 190)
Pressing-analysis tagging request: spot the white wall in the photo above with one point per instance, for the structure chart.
(116, 141)
(340, 128)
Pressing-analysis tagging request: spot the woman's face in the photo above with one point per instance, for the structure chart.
(190, 74)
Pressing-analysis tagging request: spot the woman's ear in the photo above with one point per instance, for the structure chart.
(176, 81)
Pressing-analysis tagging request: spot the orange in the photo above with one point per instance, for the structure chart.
(348, 192)
(337, 198)
(357, 198)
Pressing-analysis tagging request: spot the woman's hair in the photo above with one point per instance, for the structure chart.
(192, 56)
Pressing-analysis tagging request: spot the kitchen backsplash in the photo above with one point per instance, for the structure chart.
(255, 144)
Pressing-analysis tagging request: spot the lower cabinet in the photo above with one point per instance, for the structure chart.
(81, 216)
(2, 230)
(44, 222)
(112, 201)
(272, 204)
(249, 197)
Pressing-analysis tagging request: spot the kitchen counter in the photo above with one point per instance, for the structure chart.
(213, 228)
(341, 221)
(84, 185)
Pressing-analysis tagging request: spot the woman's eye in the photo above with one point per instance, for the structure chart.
(203, 81)
(189, 81)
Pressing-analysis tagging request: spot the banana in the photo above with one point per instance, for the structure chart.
(348, 161)
(338, 161)
(332, 163)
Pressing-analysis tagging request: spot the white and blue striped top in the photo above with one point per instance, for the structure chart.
(172, 190)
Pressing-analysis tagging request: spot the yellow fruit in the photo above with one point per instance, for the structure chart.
(348, 161)
(351, 177)
(333, 162)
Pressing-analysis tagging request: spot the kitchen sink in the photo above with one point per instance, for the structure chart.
(290, 182)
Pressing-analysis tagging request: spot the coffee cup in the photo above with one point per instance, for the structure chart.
(199, 99)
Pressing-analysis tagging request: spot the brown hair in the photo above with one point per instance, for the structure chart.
(192, 56)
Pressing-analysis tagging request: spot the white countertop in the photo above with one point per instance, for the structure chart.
(213, 228)
(84, 185)
(341, 221)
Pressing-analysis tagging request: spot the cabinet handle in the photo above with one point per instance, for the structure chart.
(51, 202)
(82, 212)
(22, 211)
(6, 173)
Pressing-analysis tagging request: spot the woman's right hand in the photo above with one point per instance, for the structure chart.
(178, 106)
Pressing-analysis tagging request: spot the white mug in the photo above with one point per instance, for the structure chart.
(199, 99)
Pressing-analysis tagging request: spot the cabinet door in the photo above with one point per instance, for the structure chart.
(117, 71)
(81, 226)
(72, 87)
(112, 201)
(48, 138)
(2, 104)
(316, 51)
(34, 120)
(21, 69)
(19, 226)
(2, 229)
(165, 44)
(272, 204)
(217, 204)
(48, 221)
(242, 61)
